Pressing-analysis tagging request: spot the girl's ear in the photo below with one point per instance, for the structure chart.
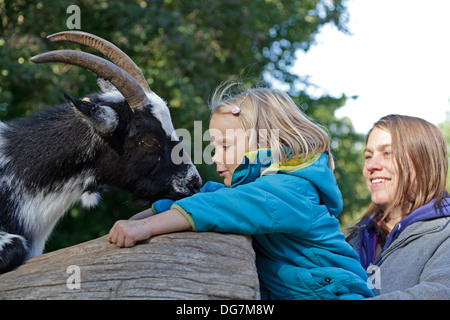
(102, 119)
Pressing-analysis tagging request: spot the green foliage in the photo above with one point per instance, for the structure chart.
(347, 148)
(185, 49)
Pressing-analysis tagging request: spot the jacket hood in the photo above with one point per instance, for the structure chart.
(315, 169)
(425, 212)
(369, 236)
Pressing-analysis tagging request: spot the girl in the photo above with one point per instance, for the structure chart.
(404, 237)
(285, 196)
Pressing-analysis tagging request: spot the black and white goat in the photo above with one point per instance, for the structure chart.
(122, 137)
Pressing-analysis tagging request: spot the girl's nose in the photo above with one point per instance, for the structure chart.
(217, 158)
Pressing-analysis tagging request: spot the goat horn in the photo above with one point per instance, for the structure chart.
(120, 58)
(122, 80)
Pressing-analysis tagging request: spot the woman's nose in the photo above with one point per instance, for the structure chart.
(373, 164)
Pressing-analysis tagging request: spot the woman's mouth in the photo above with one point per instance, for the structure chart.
(379, 180)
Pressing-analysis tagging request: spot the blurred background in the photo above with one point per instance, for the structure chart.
(186, 48)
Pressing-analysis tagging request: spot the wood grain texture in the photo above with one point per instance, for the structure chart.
(183, 265)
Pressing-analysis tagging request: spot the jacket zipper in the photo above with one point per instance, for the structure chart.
(403, 241)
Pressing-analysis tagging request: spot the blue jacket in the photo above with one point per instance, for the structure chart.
(291, 213)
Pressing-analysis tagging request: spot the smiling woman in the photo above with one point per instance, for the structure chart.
(396, 149)
(406, 227)
(380, 170)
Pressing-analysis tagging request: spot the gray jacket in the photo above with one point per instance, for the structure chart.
(415, 265)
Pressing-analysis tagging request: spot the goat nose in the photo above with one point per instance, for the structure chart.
(195, 184)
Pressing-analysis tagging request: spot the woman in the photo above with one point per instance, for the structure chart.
(404, 238)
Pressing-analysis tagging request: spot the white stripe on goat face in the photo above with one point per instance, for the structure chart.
(161, 112)
(159, 109)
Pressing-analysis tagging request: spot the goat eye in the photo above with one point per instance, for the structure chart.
(145, 145)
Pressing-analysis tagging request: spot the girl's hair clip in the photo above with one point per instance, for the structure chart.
(235, 110)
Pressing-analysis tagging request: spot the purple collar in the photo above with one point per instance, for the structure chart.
(370, 236)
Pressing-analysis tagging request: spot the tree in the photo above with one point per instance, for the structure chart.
(171, 266)
(347, 147)
(185, 49)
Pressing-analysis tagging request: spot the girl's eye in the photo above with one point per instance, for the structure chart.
(367, 156)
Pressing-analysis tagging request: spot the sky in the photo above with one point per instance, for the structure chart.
(396, 59)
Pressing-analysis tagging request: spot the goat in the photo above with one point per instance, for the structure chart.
(121, 137)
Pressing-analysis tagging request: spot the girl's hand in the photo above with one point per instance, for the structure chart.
(125, 233)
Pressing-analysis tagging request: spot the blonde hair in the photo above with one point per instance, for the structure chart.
(420, 153)
(274, 120)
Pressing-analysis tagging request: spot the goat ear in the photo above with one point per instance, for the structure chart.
(102, 118)
(105, 85)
